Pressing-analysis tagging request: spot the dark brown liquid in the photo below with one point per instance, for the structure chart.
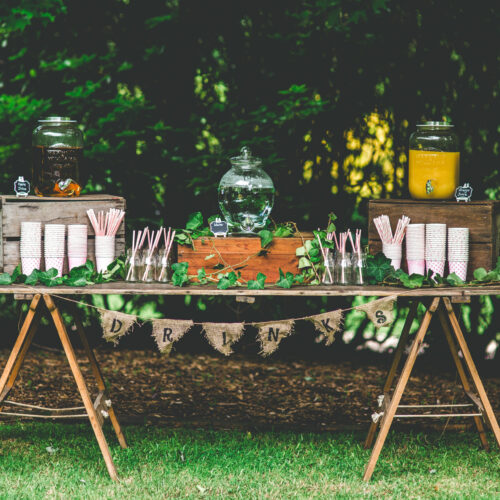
(56, 171)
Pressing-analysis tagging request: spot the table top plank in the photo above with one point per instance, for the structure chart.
(123, 288)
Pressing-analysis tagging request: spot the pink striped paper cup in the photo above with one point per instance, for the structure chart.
(416, 266)
(55, 262)
(29, 264)
(459, 268)
(393, 251)
(436, 266)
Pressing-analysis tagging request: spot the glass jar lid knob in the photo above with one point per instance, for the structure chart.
(246, 158)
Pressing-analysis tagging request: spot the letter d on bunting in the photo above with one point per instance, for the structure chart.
(168, 331)
(115, 324)
(222, 336)
(271, 334)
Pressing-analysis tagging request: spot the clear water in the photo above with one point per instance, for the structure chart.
(246, 208)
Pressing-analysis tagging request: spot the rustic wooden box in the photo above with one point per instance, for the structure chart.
(48, 210)
(234, 251)
(481, 217)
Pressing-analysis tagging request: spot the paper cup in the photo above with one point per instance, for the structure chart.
(105, 246)
(436, 266)
(29, 264)
(102, 263)
(54, 262)
(459, 268)
(393, 251)
(416, 266)
(76, 261)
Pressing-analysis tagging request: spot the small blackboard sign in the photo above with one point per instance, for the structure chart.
(22, 187)
(463, 193)
(219, 228)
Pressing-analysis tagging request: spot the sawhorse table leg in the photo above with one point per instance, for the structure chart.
(390, 404)
(94, 411)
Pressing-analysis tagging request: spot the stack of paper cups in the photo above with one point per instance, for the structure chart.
(77, 245)
(393, 251)
(435, 248)
(458, 251)
(104, 252)
(415, 248)
(31, 246)
(54, 247)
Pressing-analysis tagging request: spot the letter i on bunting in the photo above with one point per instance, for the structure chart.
(222, 336)
(271, 334)
(115, 324)
(168, 331)
(328, 324)
(381, 311)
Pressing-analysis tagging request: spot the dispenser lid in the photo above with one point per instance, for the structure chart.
(246, 159)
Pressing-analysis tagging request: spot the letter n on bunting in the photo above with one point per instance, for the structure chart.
(168, 331)
(222, 336)
(328, 324)
(271, 334)
(115, 324)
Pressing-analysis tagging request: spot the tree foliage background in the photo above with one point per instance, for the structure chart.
(327, 92)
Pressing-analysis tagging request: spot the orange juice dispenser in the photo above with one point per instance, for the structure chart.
(434, 167)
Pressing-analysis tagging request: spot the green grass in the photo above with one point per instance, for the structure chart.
(164, 463)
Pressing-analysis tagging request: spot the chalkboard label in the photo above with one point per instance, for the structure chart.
(219, 228)
(463, 193)
(22, 187)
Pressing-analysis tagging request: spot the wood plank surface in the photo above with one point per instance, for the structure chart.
(124, 288)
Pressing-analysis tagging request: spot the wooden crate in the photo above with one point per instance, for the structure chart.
(481, 217)
(235, 250)
(48, 210)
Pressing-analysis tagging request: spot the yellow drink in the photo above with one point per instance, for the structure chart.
(433, 174)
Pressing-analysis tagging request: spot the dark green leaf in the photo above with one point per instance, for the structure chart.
(266, 237)
(195, 221)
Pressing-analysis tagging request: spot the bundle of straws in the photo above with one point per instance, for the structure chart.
(168, 239)
(324, 253)
(356, 248)
(106, 224)
(383, 225)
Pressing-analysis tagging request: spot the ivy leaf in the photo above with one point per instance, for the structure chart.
(50, 278)
(304, 262)
(285, 281)
(480, 273)
(32, 279)
(300, 252)
(195, 221)
(283, 232)
(378, 268)
(454, 280)
(202, 276)
(413, 281)
(5, 279)
(257, 284)
(331, 227)
(16, 273)
(180, 276)
(266, 237)
(228, 280)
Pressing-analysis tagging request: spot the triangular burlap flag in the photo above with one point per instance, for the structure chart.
(115, 324)
(168, 331)
(381, 311)
(271, 334)
(222, 336)
(328, 324)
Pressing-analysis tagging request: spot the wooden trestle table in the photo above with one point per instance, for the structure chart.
(438, 301)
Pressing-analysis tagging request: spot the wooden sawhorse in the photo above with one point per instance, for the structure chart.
(390, 404)
(96, 411)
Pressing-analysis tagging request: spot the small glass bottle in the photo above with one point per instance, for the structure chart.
(358, 268)
(149, 268)
(163, 272)
(343, 268)
(329, 272)
(57, 156)
(133, 266)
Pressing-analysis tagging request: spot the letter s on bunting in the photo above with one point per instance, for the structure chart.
(115, 324)
(168, 331)
(381, 311)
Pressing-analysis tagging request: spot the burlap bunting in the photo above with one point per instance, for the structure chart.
(381, 311)
(115, 324)
(271, 334)
(328, 324)
(168, 331)
(222, 336)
